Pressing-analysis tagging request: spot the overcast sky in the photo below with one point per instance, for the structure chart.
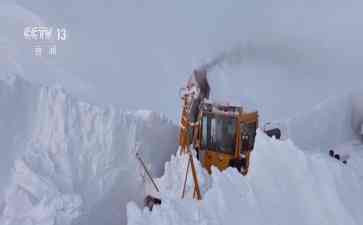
(137, 54)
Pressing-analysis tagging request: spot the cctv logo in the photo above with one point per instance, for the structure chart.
(38, 33)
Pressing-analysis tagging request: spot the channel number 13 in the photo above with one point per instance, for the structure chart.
(62, 34)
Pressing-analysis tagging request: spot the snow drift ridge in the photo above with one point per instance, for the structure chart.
(285, 186)
(72, 159)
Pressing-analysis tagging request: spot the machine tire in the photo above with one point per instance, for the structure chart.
(275, 132)
(331, 153)
(236, 163)
(150, 201)
(337, 156)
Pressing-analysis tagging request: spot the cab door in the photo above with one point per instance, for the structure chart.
(218, 140)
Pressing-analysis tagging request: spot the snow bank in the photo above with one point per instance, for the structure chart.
(73, 162)
(357, 113)
(18, 106)
(335, 121)
(285, 186)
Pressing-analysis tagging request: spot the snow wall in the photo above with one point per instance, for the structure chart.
(285, 186)
(333, 122)
(68, 162)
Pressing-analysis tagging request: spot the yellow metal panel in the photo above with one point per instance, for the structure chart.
(248, 117)
(217, 159)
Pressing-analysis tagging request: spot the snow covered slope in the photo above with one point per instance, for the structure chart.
(68, 162)
(333, 122)
(324, 126)
(285, 186)
(63, 159)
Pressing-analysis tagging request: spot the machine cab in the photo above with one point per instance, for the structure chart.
(226, 137)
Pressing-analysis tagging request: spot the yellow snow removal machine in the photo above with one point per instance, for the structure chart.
(222, 135)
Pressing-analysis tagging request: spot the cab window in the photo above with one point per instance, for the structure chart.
(218, 133)
(248, 134)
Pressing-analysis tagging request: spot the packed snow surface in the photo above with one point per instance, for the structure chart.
(285, 186)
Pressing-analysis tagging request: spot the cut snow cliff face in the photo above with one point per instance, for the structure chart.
(67, 161)
(285, 186)
(333, 122)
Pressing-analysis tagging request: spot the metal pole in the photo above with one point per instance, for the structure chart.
(194, 173)
(185, 181)
(147, 172)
